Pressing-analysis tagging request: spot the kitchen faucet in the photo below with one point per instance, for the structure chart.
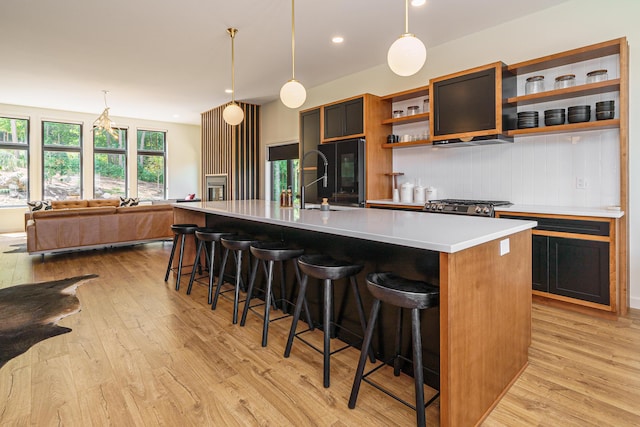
(323, 178)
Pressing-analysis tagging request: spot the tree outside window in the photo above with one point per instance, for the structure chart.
(62, 160)
(14, 161)
(110, 164)
(151, 164)
(284, 164)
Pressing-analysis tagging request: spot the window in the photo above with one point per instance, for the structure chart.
(14, 161)
(109, 164)
(151, 164)
(283, 162)
(61, 160)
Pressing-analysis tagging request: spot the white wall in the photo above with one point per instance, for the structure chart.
(515, 170)
(183, 155)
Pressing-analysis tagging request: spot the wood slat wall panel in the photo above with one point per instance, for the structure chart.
(233, 150)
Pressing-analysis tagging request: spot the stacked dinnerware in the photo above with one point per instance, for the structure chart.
(605, 110)
(527, 119)
(554, 117)
(579, 113)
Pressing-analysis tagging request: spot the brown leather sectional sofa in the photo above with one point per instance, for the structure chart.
(88, 224)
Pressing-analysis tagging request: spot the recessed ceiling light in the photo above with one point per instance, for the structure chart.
(228, 91)
(418, 2)
(337, 39)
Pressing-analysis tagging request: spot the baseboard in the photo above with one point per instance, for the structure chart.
(634, 302)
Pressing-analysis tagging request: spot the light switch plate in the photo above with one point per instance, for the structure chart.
(504, 247)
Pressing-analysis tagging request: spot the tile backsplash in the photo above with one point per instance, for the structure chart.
(538, 170)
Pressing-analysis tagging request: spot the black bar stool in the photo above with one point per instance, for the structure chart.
(402, 293)
(179, 231)
(204, 236)
(237, 244)
(327, 269)
(267, 253)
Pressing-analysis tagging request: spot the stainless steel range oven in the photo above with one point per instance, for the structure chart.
(483, 208)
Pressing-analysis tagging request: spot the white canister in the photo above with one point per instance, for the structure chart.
(396, 195)
(432, 193)
(406, 192)
(418, 194)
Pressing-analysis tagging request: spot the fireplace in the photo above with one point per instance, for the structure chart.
(215, 187)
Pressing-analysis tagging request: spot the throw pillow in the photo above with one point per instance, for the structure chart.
(129, 201)
(39, 205)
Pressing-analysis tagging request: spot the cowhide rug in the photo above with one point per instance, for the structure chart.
(29, 312)
(19, 248)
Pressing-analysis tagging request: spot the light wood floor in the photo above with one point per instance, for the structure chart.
(142, 354)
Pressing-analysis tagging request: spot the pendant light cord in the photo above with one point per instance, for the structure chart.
(105, 92)
(406, 16)
(232, 32)
(293, 41)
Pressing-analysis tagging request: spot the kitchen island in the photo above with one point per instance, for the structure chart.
(478, 340)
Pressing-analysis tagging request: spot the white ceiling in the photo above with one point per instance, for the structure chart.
(170, 60)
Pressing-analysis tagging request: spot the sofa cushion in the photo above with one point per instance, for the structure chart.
(69, 204)
(39, 205)
(143, 208)
(93, 203)
(57, 213)
(129, 201)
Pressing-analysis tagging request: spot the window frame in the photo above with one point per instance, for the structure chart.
(120, 151)
(26, 146)
(62, 149)
(163, 154)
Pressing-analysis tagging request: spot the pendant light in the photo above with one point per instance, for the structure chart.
(406, 55)
(104, 122)
(293, 93)
(232, 113)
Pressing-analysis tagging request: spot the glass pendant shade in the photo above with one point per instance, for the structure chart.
(233, 114)
(406, 55)
(293, 94)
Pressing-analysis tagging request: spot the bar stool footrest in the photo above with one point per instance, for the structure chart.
(223, 292)
(319, 350)
(390, 394)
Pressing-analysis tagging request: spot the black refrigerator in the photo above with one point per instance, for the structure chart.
(346, 172)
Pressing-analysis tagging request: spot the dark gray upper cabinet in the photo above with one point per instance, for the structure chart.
(344, 119)
(309, 130)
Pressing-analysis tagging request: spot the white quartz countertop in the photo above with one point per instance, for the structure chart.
(601, 212)
(436, 232)
(611, 212)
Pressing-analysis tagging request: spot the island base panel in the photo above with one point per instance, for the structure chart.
(485, 320)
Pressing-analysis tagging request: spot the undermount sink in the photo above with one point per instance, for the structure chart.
(313, 208)
(316, 207)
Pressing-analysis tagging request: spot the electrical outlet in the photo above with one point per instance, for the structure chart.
(581, 183)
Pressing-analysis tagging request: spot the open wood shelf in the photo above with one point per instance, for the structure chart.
(408, 144)
(571, 127)
(594, 51)
(570, 92)
(407, 119)
(407, 94)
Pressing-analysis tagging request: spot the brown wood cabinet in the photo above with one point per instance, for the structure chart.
(343, 119)
(617, 86)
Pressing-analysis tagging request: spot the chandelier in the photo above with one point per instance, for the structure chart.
(104, 122)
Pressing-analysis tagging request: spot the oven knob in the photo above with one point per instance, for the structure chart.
(478, 209)
(433, 206)
(486, 210)
(440, 207)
